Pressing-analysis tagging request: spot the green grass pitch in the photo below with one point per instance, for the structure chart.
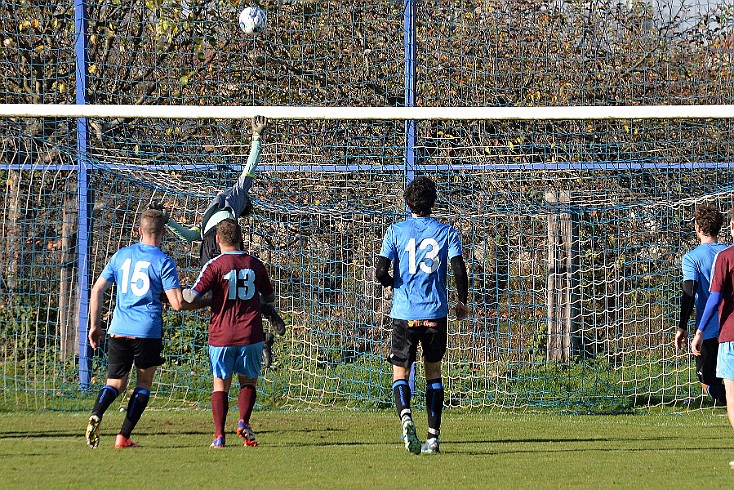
(339, 449)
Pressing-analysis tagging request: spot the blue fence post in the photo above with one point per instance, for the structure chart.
(410, 125)
(80, 33)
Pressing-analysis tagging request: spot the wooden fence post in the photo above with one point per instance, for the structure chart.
(562, 302)
(68, 291)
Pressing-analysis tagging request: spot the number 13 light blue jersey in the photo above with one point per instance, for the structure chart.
(142, 272)
(420, 249)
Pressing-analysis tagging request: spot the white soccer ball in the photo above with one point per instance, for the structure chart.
(253, 20)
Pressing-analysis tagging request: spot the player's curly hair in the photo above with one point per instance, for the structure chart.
(229, 232)
(420, 196)
(709, 219)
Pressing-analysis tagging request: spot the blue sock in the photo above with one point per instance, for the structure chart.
(106, 396)
(401, 392)
(135, 407)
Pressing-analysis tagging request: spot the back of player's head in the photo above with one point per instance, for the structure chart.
(152, 222)
(709, 219)
(420, 196)
(229, 232)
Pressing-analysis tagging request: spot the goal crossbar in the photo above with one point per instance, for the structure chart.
(370, 113)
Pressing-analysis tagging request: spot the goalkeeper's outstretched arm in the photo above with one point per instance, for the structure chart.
(236, 199)
(259, 123)
(188, 234)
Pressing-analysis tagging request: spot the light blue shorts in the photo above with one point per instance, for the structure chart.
(241, 359)
(725, 363)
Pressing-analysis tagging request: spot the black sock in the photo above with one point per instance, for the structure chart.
(718, 393)
(106, 396)
(401, 392)
(434, 406)
(135, 407)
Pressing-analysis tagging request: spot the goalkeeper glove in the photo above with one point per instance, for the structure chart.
(157, 205)
(259, 123)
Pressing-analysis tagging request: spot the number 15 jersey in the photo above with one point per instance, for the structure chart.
(142, 272)
(236, 280)
(420, 249)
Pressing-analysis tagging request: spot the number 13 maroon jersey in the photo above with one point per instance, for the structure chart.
(236, 280)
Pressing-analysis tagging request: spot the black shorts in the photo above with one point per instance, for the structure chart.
(405, 340)
(706, 362)
(209, 247)
(121, 352)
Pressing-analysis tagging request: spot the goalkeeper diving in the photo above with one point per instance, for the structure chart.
(231, 203)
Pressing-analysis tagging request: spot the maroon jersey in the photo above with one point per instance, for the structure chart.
(236, 281)
(721, 282)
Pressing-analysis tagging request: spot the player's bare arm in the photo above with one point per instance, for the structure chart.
(195, 301)
(175, 298)
(95, 311)
(696, 343)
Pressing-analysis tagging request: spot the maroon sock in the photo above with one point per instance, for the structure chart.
(220, 405)
(246, 402)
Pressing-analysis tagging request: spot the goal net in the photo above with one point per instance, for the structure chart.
(574, 222)
(573, 234)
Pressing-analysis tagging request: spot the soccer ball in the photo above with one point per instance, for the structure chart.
(252, 20)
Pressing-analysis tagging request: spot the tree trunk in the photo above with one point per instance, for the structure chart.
(12, 233)
(68, 291)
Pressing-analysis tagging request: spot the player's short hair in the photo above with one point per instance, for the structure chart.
(709, 219)
(152, 222)
(420, 196)
(229, 232)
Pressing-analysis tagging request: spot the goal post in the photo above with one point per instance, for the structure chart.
(573, 231)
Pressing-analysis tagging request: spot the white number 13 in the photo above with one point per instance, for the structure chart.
(246, 289)
(429, 263)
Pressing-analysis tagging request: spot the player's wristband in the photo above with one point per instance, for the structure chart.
(255, 136)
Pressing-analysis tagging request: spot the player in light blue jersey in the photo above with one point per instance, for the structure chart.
(697, 266)
(420, 249)
(142, 272)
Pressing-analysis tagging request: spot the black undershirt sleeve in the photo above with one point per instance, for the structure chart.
(461, 278)
(382, 271)
(687, 301)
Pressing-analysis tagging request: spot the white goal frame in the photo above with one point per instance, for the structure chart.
(371, 113)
